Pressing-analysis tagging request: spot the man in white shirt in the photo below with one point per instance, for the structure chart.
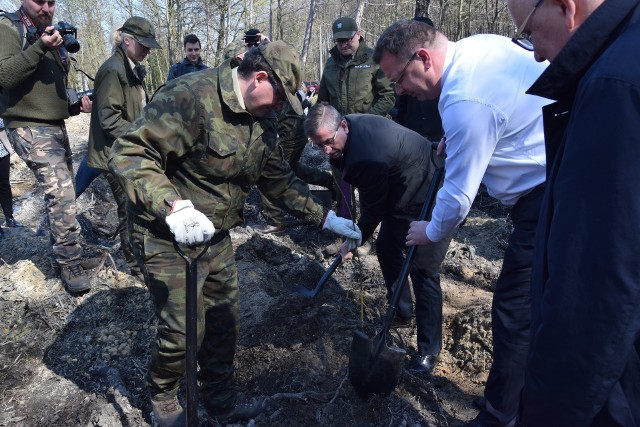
(493, 136)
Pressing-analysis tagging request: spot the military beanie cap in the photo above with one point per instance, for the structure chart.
(285, 62)
(141, 30)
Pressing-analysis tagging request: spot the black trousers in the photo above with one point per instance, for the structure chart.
(425, 278)
(511, 310)
(6, 198)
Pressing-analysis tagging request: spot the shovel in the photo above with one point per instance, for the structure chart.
(192, 333)
(303, 290)
(375, 368)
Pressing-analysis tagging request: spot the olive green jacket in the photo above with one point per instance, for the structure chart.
(356, 86)
(194, 142)
(33, 81)
(116, 104)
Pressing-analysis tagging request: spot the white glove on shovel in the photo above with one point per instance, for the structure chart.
(189, 226)
(342, 226)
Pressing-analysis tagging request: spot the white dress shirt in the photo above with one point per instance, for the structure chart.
(493, 128)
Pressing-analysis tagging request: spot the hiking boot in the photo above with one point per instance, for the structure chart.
(168, 413)
(11, 222)
(75, 278)
(245, 410)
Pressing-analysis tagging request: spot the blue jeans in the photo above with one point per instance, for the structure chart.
(85, 176)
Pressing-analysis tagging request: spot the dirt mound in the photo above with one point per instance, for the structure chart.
(81, 361)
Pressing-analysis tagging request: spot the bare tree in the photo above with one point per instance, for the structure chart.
(307, 34)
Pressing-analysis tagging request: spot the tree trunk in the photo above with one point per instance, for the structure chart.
(422, 8)
(307, 34)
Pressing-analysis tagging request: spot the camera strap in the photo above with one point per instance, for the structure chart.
(34, 34)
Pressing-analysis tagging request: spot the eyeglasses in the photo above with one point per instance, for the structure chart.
(41, 3)
(343, 41)
(523, 38)
(404, 69)
(322, 145)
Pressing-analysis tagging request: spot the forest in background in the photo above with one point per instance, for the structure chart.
(304, 24)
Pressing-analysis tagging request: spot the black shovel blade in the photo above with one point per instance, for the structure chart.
(303, 290)
(372, 374)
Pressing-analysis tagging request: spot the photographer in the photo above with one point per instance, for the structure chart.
(253, 37)
(33, 74)
(119, 95)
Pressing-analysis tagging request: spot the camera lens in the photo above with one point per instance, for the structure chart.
(70, 43)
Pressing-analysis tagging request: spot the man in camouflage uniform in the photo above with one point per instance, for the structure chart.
(33, 76)
(352, 83)
(187, 165)
(292, 142)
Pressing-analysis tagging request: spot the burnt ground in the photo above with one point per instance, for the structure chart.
(80, 360)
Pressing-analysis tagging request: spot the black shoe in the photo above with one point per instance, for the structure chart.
(484, 419)
(244, 410)
(269, 228)
(422, 364)
(11, 222)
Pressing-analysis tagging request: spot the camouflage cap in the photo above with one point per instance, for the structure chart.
(285, 62)
(234, 49)
(344, 28)
(141, 30)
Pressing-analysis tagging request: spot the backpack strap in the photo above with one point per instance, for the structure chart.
(13, 17)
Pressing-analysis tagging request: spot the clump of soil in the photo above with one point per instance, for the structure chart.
(81, 360)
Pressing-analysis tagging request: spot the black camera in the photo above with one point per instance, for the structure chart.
(252, 40)
(73, 100)
(69, 34)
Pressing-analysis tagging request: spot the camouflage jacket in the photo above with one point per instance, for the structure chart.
(356, 86)
(33, 81)
(194, 141)
(116, 104)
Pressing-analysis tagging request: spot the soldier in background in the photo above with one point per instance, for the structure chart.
(352, 83)
(187, 166)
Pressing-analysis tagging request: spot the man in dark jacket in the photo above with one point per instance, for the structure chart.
(192, 61)
(352, 83)
(391, 167)
(187, 165)
(583, 367)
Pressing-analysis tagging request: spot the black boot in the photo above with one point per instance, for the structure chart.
(10, 221)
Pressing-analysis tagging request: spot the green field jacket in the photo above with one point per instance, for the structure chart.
(117, 102)
(356, 86)
(195, 142)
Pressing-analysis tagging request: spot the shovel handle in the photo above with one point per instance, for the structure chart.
(406, 266)
(191, 317)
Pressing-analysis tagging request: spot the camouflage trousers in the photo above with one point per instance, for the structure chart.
(218, 312)
(292, 151)
(46, 151)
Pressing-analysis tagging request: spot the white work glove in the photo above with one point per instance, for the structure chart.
(189, 226)
(342, 226)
